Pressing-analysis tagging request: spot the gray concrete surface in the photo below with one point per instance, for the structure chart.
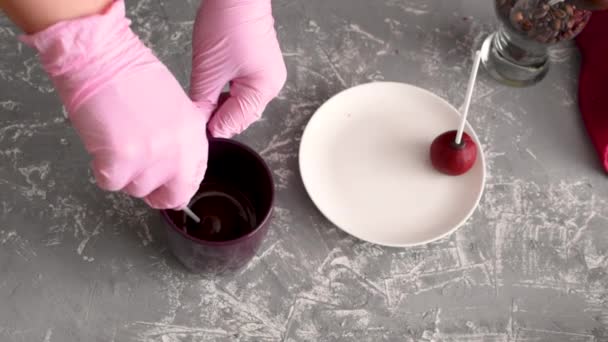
(77, 264)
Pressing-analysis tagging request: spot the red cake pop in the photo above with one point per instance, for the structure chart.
(451, 158)
(454, 152)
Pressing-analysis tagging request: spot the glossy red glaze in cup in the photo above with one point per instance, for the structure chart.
(233, 163)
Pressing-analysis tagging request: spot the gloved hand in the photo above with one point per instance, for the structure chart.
(146, 137)
(234, 41)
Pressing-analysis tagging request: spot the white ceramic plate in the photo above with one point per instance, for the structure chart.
(364, 160)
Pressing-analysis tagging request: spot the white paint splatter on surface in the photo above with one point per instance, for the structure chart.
(48, 335)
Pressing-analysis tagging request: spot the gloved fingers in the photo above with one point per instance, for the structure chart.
(175, 194)
(150, 179)
(235, 115)
(178, 191)
(209, 77)
(112, 174)
(248, 98)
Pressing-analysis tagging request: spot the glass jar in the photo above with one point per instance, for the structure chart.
(517, 54)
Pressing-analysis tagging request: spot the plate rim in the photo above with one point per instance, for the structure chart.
(396, 245)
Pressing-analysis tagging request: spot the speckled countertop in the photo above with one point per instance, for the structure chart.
(78, 264)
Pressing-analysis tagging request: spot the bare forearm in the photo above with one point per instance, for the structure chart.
(35, 15)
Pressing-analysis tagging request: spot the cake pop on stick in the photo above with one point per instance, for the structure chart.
(454, 152)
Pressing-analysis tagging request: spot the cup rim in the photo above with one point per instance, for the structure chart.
(258, 227)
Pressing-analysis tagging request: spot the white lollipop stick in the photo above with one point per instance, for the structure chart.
(468, 96)
(192, 215)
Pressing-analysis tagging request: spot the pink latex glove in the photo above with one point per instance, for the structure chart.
(234, 41)
(146, 137)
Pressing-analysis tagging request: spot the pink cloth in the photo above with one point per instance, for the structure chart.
(234, 41)
(146, 137)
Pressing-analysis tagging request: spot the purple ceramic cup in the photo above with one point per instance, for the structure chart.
(238, 166)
